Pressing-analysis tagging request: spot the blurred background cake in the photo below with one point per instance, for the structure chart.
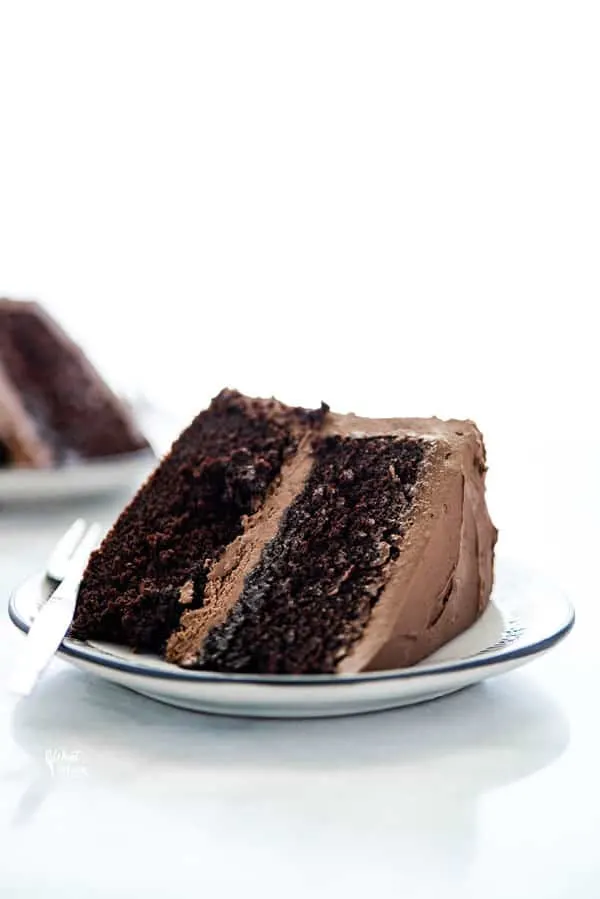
(55, 408)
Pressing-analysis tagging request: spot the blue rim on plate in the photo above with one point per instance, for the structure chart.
(494, 655)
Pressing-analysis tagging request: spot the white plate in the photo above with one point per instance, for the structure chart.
(26, 485)
(525, 618)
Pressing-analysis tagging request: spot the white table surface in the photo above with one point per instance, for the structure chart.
(492, 792)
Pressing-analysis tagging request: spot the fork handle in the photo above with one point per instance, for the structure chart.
(45, 636)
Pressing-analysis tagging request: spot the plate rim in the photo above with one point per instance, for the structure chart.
(21, 488)
(503, 655)
(116, 460)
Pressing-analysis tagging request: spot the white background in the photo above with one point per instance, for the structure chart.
(393, 207)
(390, 206)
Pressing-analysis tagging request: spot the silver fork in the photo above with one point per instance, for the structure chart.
(65, 568)
(58, 560)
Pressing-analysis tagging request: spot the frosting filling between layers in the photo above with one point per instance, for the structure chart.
(18, 434)
(225, 578)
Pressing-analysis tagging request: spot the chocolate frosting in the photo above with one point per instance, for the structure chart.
(442, 579)
(436, 588)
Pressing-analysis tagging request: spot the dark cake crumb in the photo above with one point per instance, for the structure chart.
(309, 598)
(218, 471)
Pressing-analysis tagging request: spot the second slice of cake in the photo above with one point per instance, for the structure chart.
(285, 540)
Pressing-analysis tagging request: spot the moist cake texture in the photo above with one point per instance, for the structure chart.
(324, 571)
(54, 407)
(154, 564)
(282, 540)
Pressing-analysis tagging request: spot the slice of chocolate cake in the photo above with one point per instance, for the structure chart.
(280, 540)
(54, 407)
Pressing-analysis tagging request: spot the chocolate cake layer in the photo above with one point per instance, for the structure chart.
(54, 407)
(153, 565)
